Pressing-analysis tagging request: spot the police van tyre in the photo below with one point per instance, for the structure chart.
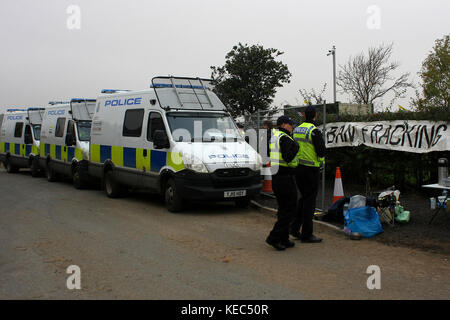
(9, 167)
(243, 202)
(112, 188)
(35, 172)
(78, 182)
(173, 200)
(50, 173)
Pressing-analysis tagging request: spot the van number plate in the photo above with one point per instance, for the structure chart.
(234, 194)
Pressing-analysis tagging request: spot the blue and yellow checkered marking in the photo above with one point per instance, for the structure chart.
(134, 158)
(18, 149)
(59, 152)
(159, 160)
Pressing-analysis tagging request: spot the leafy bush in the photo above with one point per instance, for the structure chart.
(405, 170)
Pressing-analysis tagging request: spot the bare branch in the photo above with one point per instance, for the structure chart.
(369, 77)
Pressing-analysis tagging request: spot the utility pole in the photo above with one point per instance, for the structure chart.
(333, 52)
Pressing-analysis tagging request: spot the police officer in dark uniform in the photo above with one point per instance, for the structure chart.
(311, 157)
(283, 160)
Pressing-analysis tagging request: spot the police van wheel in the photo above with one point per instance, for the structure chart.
(112, 188)
(35, 172)
(78, 183)
(50, 173)
(173, 200)
(242, 202)
(10, 168)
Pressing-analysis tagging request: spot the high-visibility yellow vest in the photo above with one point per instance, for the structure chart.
(307, 155)
(276, 158)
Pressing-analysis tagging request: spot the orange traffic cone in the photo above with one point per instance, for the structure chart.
(338, 189)
(267, 186)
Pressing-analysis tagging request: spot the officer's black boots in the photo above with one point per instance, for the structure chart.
(276, 244)
(312, 239)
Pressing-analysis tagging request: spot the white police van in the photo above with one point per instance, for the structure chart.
(19, 139)
(176, 139)
(65, 135)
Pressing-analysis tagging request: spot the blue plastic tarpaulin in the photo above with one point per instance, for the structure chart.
(363, 220)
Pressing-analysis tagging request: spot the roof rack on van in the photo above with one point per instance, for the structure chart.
(34, 109)
(184, 97)
(114, 90)
(167, 85)
(78, 100)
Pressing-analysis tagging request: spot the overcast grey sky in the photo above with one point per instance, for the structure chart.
(123, 44)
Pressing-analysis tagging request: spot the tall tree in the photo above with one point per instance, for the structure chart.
(370, 77)
(435, 75)
(248, 80)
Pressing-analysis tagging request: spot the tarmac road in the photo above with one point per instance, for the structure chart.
(132, 248)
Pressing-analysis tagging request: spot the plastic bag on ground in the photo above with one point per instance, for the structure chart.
(363, 220)
(401, 215)
(357, 202)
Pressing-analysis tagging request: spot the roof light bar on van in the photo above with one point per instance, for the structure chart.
(35, 108)
(13, 110)
(75, 100)
(114, 90)
(57, 102)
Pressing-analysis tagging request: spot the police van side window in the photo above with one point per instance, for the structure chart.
(155, 122)
(18, 130)
(132, 124)
(60, 124)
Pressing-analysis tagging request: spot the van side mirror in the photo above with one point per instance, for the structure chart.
(70, 140)
(28, 138)
(160, 140)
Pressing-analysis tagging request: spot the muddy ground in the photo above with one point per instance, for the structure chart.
(418, 233)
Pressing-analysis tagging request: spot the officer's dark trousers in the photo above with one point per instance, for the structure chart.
(286, 193)
(307, 179)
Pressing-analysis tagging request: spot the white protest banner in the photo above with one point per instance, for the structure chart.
(400, 135)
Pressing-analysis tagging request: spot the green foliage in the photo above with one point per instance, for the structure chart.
(431, 114)
(248, 80)
(435, 74)
(405, 170)
(434, 114)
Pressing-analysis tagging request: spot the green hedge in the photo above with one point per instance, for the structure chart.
(432, 114)
(405, 170)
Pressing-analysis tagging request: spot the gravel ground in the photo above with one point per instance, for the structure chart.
(132, 248)
(418, 233)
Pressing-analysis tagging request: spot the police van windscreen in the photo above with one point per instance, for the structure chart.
(84, 130)
(213, 127)
(37, 131)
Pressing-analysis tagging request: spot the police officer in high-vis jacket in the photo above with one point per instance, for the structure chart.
(311, 157)
(283, 161)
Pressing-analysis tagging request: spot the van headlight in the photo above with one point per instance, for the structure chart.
(193, 163)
